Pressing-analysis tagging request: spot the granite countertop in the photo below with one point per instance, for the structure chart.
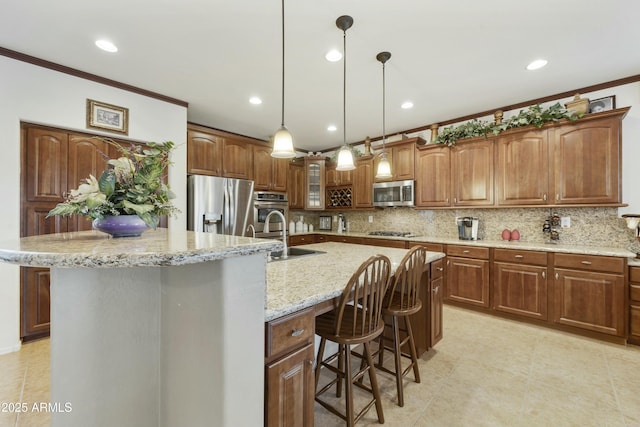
(530, 246)
(302, 282)
(159, 247)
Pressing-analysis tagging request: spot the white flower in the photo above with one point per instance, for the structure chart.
(88, 188)
(123, 167)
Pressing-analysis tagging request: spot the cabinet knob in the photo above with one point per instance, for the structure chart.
(586, 262)
(557, 197)
(465, 252)
(519, 256)
(544, 197)
(544, 274)
(557, 276)
(436, 290)
(297, 332)
(440, 268)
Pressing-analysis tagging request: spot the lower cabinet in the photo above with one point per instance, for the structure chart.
(520, 283)
(467, 275)
(634, 305)
(590, 293)
(437, 293)
(289, 380)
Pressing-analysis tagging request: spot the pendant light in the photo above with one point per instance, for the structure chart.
(345, 155)
(384, 167)
(282, 140)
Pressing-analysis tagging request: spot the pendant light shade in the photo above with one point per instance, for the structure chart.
(282, 140)
(345, 155)
(384, 167)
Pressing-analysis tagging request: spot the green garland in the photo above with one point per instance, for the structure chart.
(533, 116)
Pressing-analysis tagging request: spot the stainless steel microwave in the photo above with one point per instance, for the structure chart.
(395, 193)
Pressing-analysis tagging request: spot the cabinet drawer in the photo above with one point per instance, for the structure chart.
(634, 274)
(321, 238)
(518, 256)
(304, 239)
(437, 269)
(634, 292)
(590, 262)
(289, 332)
(431, 247)
(388, 243)
(468, 251)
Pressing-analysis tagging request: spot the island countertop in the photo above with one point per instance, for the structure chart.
(159, 247)
(298, 283)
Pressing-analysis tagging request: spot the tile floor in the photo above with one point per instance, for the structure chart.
(485, 372)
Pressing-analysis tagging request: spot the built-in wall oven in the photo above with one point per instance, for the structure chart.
(265, 202)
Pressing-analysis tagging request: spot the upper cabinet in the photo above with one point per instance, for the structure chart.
(433, 179)
(363, 183)
(401, 156)
(204, 153)
(296, 185)
(237, 158)
(336, 178)
(472, 172)
(314, 183)
(269, 173)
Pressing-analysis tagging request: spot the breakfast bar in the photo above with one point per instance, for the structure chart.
(161, 330)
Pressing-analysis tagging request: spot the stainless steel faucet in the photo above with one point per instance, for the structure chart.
(253, 230)
(285, 253)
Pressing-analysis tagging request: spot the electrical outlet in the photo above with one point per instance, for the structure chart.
(565, 221)
(370, 218)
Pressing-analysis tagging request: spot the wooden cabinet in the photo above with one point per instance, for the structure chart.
(268, 173)
(472, 172)
(467, 275)
(522, 170)
(586, 161)
(363, 183)
(314, 183)
(302, 239)
(237, 158)
(296, 185)
(520, 283)
(433, 179)
(336, 178)
(401, 156)
(590, 293)
(436, 301)
(204, 153)
(634, 305)
(289, 379)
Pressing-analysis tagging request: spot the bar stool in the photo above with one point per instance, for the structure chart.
(353, 324)
(401, 301)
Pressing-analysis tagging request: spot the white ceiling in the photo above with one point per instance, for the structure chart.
(450, 58)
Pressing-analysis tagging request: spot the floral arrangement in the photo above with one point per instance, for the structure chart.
(132, 185)
(534, 115)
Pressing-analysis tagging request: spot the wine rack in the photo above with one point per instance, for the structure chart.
(339, 197)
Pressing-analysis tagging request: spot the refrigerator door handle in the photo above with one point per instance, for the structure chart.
(227, 209)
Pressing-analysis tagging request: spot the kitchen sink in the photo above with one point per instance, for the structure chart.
(294, 253)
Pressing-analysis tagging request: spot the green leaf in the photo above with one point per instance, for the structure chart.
(107, 182)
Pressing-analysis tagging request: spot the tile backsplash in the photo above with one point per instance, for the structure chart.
(589, 226)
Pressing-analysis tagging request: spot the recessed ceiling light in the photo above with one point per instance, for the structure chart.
(406, 105)
(333, 56)
(255, 100)
(106, 45)
(332, 128)
(537, 64)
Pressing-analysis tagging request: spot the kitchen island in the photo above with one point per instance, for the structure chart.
(162, 330)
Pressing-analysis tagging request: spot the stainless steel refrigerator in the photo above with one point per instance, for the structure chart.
(219, 205)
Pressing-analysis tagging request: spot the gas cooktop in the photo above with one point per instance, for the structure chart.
(391, 233)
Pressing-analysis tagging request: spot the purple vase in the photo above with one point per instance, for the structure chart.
(121, 225)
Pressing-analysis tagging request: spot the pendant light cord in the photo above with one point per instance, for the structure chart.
(282, 63)
(384, 132)
(344, 87)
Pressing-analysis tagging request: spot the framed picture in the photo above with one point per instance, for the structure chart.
(107, 117)
(602, 104)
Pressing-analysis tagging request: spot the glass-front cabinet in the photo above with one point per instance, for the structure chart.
(314, 182)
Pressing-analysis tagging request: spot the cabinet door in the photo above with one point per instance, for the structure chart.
(520, 289)
(85, 158)
(290, 390)
(468, 281)
(472, 173)
(363, 183)
(437, 293)
(522, 176)
(296, 185)
(433, 184)
(403, 162)
(237, 159)
(314, 184)
(262, 167)
(35, 302)
(589, 300)
(279, 174)
(587, 161)
(634, 322)
(204, 153)
(46, 165)
(331, 176)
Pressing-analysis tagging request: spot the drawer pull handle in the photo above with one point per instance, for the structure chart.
(465, 252)
(436, 290)
(297, 332)
(440, 268)
(586, 262)
(519, 256)
(544, 274)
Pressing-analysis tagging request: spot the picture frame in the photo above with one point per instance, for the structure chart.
(103, 116)
(602, 104)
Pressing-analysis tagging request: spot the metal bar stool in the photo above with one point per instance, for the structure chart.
(401, 301)
(356, 320)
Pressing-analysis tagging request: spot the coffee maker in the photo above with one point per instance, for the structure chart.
(468, 228)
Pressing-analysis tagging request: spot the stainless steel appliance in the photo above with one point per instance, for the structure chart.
(395, 193)
(468, 228)
(265, 202)
(219, 205)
